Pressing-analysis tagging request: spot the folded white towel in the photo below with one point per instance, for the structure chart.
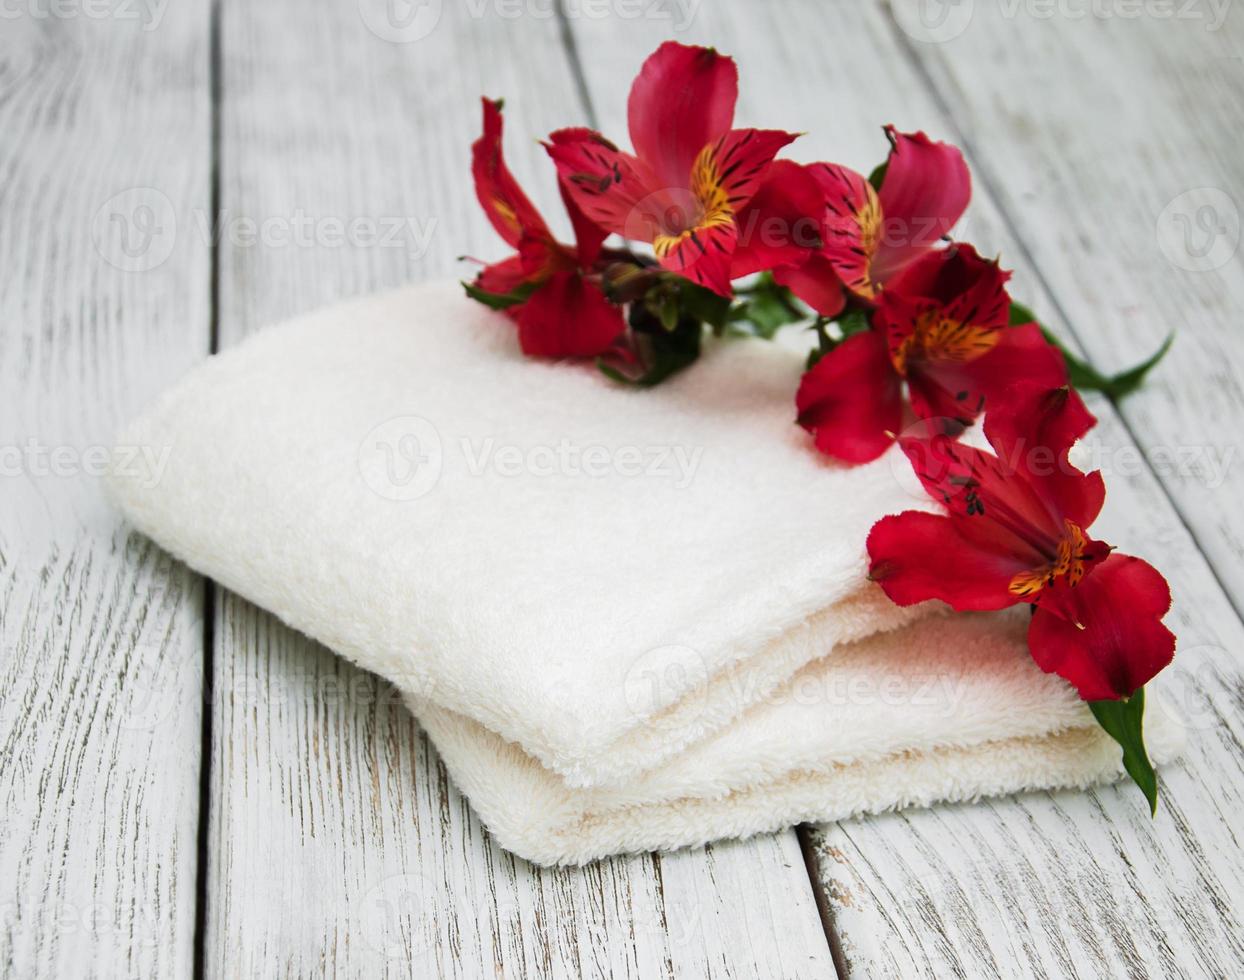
(946, 710)
(539, 556)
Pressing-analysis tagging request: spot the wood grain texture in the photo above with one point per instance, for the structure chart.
(1111, 142)
(103, 302)
(1046, 884)
(338, 845)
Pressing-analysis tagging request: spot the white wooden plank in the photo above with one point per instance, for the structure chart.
(337, 844)
(1061, 885)
(103, 302)
(1112, 141)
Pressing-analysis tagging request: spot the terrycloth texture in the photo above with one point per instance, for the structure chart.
(946, 710)
(592, 596)
(514, 589)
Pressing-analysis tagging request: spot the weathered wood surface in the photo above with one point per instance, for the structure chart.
(104, 156)
(1068, 884)
(336, 843)
(1112, 143)
(1085, 132)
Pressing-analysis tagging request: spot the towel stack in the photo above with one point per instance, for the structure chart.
(628, 619)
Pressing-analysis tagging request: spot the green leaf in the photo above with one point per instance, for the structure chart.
(1123, 721)
(824, 343)
(1125, 382)
(1021, 314)
(668, 313)
(877, 177)
(500, 301)
(767, 315)
(1086, 377)
(1083, 375)
(663, 353)
(768, 308)
(704, 305)
(851, 322)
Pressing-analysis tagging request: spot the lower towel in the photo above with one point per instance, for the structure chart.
(950, 709)
(628, 619)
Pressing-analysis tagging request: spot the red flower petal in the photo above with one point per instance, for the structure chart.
(850, 400)
(1033, 428)
(697, 239)
(614, 189)
(781, 224)
(736, 165)
(1035, 415)
(852, 225)
(961, 389)
(568, 317)
(925, 191)
(816, 283)
(588, 235)
(1021, 355)
(1117, 642)
(915, 556)
(502, 277)
(969, 288)
(507, 207)
(999, 503)
(682, 100)
(702, 255)
(540, 258)
(946, 393)
(944, 318)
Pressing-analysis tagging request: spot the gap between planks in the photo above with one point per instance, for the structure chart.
(290, 792)
(983, 171)
(803, 832)
(215, 84)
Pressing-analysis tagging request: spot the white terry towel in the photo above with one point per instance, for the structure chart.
(949, 709)
(573, 581)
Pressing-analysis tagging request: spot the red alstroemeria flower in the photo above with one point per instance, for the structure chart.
(564, 313)
(946, 323)
(783, 229)
(1016, 530)
(943, 328)
(851, 400)
(874, 235)
(783, 224)
(690, 175)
